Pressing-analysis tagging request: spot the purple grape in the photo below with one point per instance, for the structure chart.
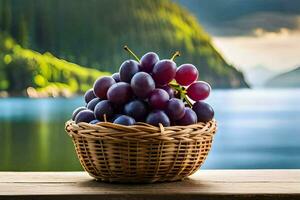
(158, 117)
(119, 93)
(89, 95)
(142, 84)
(95, 121)
(148, 61)
(175, 109)
(188, 118)
(116, 77)
(136, 109)
(128, 69)
(203, 111)
(84, 116)
(164, 72)
(169, 90)
(158, 99)
(101, 86)
(124, 120)
(104, 107)
(91, 105)
(76, 111)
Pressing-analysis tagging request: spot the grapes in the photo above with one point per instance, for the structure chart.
(142, 84)
(101, 86)
(203, 111)
(186, 74)
(158, 117)
(124, 120)
(169, 90)
(148, 61)
(89, 95)
(164, 72)
(128, 69)
(84, 116)
(142, 92)
(104, 107)
(76, 111)
(119, 93)
(91, 105)
(158, 99)
(95, 121)
(175, 109)
(188, 118)
(136, 109)
(198, 91)
(116, 77)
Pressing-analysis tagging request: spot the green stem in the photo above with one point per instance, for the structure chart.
(188, 101)
(126, 48)
(176, 54)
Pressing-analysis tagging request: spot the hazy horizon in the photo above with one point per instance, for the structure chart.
(253, 33)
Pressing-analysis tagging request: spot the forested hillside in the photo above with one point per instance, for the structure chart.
(25, 72)
(92, 33)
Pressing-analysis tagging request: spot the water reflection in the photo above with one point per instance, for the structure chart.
(257, 129)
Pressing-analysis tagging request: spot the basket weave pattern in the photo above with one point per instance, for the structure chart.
(141, 153)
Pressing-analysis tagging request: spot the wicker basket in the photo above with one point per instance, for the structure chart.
(141, 153)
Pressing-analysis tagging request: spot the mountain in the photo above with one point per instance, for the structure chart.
(257, 76)
(92, 33)
(290, 79)
(26, 72)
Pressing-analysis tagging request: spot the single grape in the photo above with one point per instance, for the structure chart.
(158, 99)
(169, 90)
(116, 77)
(148, 61)
(119, 93)
(175, 109)
(128, 69)
(95, 121)
(164, 71)
(198, 91)
(186, 74)
(188, 118)
(101, 86)
(203, 111)
(91, 105)
(136, 109)
(142, 84)
(76, 111)
(89, 95)
(113, 118)
(104, 107)
(158, 117)
(84, 116)
(124, 120)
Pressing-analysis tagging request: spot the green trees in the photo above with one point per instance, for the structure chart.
(22, 69)
(92, 33)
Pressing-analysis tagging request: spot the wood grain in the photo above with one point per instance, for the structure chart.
(205, 184)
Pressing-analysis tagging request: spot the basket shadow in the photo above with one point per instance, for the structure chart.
(187, 182)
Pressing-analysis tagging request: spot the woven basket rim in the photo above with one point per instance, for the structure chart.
(142, 132)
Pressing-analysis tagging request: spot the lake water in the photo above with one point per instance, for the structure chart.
(257, 129)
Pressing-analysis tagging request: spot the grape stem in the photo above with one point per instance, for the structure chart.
(126, 48)
(176, 54)
(182, 93)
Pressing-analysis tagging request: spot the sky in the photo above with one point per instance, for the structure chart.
(251, 33)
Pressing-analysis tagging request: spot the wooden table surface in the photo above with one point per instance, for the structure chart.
(205, 184)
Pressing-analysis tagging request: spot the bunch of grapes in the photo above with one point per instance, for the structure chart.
(148, 90)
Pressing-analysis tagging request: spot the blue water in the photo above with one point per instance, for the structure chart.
(256, 129)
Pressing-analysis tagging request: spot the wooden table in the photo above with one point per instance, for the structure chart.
(205, 184)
